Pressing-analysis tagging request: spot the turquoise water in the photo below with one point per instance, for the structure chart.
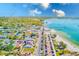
(68, 26)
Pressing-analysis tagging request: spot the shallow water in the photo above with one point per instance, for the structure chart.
(68, 26)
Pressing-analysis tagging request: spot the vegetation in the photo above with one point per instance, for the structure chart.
(9, 29)
(19, 21)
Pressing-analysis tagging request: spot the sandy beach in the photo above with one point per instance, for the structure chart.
(70, 45)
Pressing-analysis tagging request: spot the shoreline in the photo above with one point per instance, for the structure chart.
(65, 36)
(60, 37)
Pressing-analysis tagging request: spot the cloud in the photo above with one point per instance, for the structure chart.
(59, 13)
(35, 12)
(45, 5)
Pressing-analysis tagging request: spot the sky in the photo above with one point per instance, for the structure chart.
(39, 9)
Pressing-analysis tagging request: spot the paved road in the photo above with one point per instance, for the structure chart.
(38, 49)
(52, 45)
(44, 46)
(48, 43)
(48, 46)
